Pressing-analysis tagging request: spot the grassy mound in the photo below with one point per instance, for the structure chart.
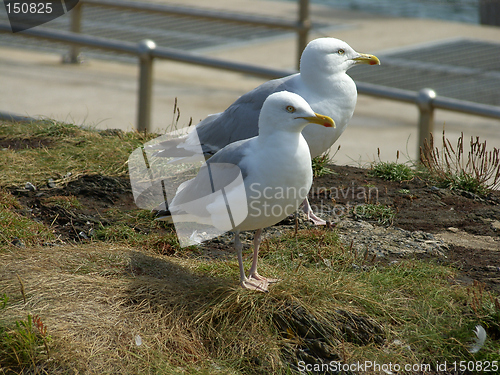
(130, 301)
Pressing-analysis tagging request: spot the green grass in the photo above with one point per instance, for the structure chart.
(14, 225)
(392, 171)
(24, 344)
(72, 151)
(79, 307)
(462, 181)
(319, 164)
(382, 214)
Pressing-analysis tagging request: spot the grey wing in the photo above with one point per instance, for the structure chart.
(218, 172)
(240, 120)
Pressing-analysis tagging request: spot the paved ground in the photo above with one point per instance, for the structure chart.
(103, 93)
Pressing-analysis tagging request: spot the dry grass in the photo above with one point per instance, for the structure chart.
(193, 318)
(96, 299)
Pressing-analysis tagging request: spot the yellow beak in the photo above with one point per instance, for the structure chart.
(364, 58)
(321, 120)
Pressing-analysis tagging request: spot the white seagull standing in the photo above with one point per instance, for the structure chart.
(277, 176)
(322, 82)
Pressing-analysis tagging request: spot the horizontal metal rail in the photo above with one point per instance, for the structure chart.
(438, 102)
(426, 100)
(301, 26)
(158, 52)
(198, 13)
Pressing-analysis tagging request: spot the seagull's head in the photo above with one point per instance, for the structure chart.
(289, 112)
(331, 56)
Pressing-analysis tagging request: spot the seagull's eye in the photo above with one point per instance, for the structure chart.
(290, 108)
(340, 51)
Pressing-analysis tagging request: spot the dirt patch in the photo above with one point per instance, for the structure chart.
(457, 227)
(20, 144)
(418, 204)
(94, 196)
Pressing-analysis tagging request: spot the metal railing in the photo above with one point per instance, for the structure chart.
(146, 50)
(302, 26)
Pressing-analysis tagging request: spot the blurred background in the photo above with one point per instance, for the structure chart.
(450, 46)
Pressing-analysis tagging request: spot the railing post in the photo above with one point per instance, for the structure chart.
(144, 49)
(304, 27)
(424, 101)
(73, 57)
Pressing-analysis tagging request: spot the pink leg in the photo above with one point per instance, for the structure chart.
(253, 270)
(306, 207)
(252, 284)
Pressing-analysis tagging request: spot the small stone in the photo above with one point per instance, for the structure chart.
(17, 242)
(495, 225)
(51, 183)
(29, 186)
(83, 235)
(321, 349)
(492, 268)
(453, 229)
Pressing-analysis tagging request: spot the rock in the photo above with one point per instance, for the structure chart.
(359, 329)
(321, 349)
(453, 229)
(388, 241)
(29, 186)
(83, 235)
(495, 225)
(317, 337)
(492, 268)
(17, 242)
(51, 183)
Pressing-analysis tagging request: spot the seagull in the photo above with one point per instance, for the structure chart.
(276, 173)
(322, 82)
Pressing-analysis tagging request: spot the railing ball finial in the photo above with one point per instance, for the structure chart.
(425, 98)
(144, 48)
